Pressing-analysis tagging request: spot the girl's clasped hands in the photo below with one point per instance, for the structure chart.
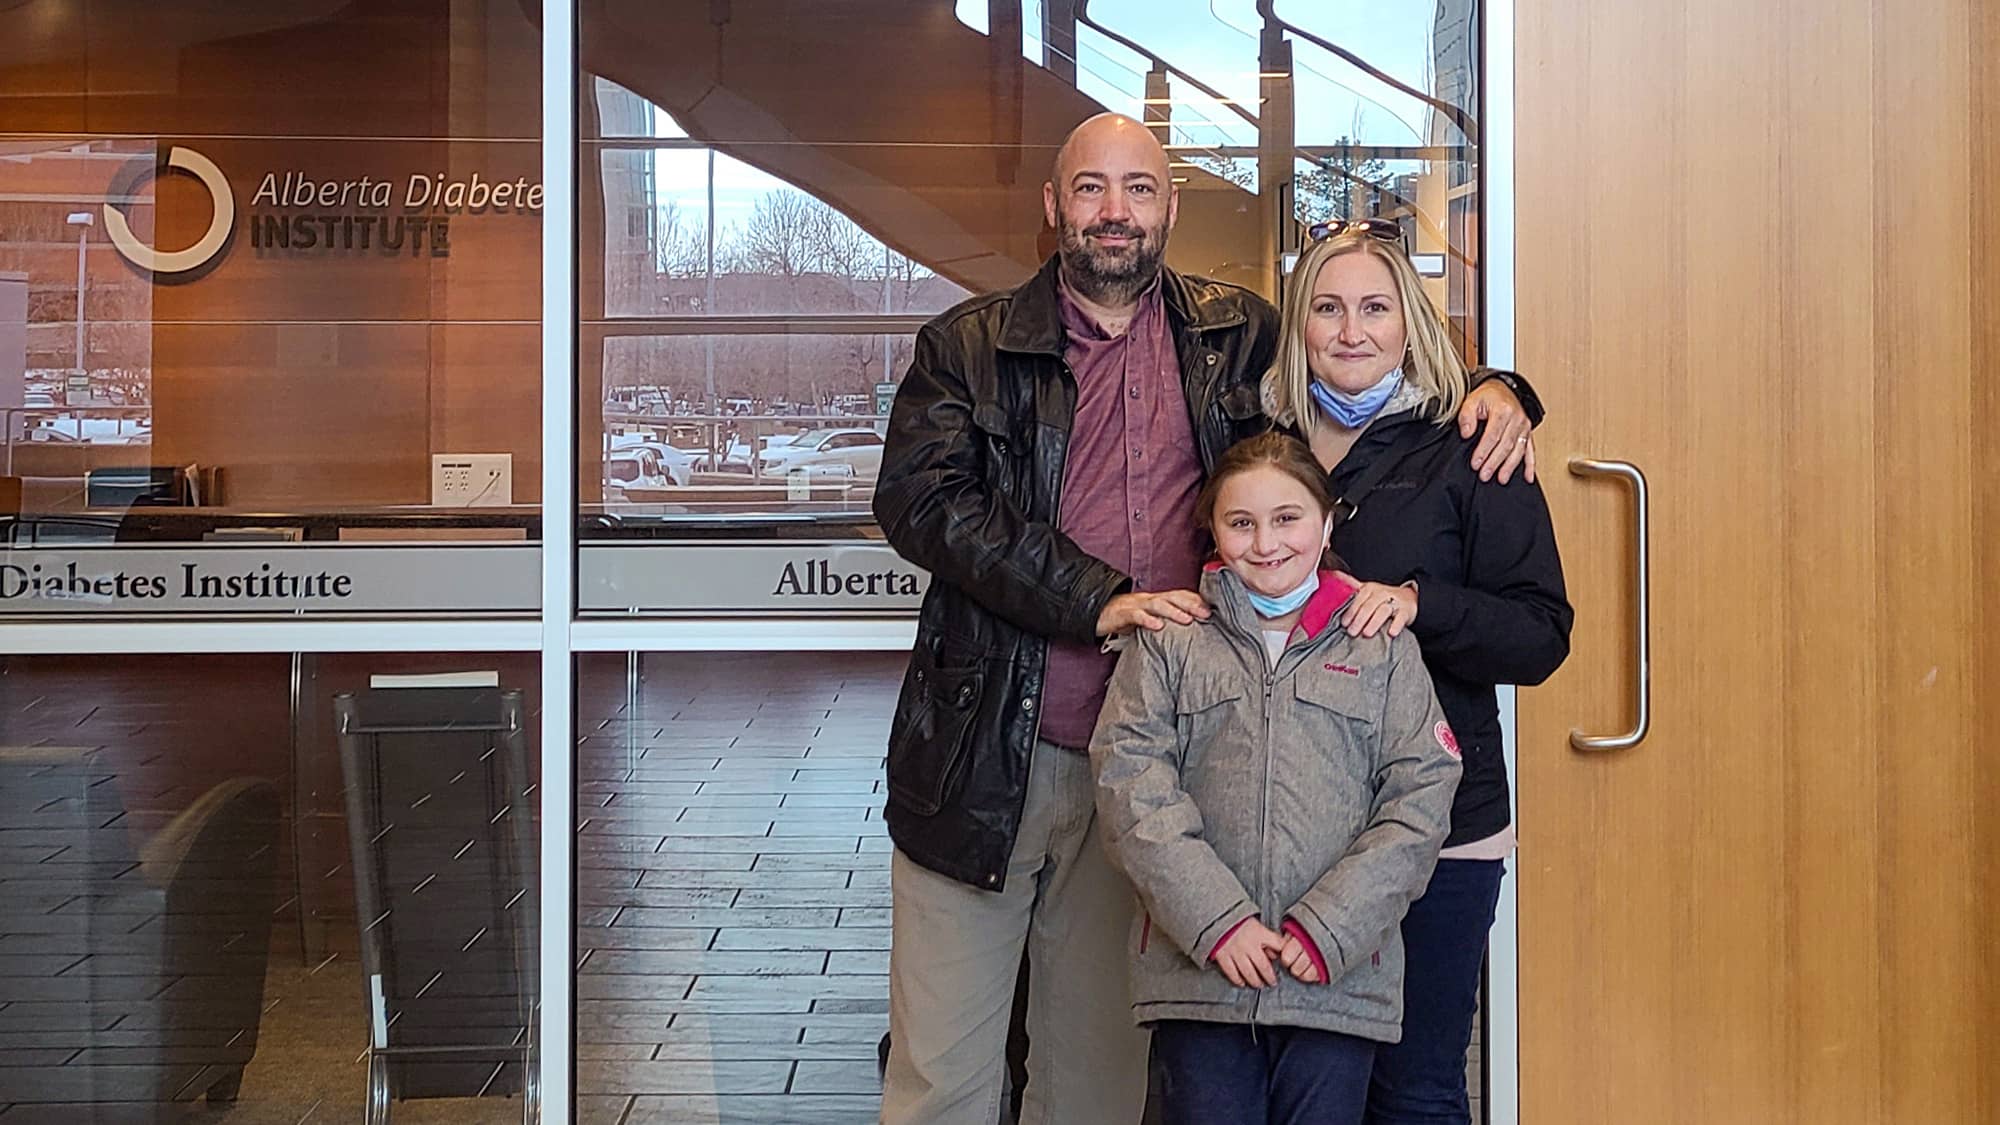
(1245, 956)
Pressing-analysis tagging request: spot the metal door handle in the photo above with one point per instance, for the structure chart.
(1643, 719)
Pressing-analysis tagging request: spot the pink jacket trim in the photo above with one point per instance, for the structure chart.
(1292, 929)
(1325, 603)
(1224, 939)
(1321, 608)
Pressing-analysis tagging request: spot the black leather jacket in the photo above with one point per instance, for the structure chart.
(969, 490)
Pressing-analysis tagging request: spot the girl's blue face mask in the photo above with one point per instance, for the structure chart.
(1282, 604)
(1355, 410)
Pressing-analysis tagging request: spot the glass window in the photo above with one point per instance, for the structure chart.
(269, 272)
(230, 882)
(799, 226)
(734, 417)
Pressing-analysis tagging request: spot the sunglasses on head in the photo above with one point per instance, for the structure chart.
(1386, 230)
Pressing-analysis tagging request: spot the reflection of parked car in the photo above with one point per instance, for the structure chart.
(701, 458)
(856, 452)
(735, 457)
(635, 468)
(38, 399)
(673, 464)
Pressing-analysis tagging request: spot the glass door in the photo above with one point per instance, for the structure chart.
(760, 234)
(270, 555)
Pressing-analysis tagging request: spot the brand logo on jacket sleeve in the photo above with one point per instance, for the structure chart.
(1446, 739)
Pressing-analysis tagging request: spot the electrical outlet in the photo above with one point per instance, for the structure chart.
(472, 480)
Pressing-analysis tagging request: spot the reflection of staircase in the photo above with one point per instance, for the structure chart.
(839, 121)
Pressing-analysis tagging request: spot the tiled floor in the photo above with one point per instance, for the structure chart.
(733, 888)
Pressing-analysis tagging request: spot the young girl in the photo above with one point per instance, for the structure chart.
(1277, 791)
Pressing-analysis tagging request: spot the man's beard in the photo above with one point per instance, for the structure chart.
(1107, 276)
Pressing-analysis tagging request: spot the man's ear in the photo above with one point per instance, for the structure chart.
(1173, 202)
(1049, 204)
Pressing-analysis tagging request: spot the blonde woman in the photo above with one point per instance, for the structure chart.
(1366, 373)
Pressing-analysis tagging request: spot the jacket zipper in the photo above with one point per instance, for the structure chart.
(1255, 647)
(1055, 517)
(1198, 411)
(1035, 733)
(1264, 825)
(1269, 667)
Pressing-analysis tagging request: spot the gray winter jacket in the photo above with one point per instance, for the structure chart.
(1316, 791)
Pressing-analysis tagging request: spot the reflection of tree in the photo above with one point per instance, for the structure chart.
(794, 255)
(1340, 186)
(682, 249)
(787, 372)
(1241, 173)
(779, 239)
(792, 234)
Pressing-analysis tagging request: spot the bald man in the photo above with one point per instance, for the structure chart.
(1043, 458)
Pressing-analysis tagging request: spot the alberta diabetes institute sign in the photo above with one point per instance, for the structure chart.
(330, 578)
(291, 213)
(680, 578)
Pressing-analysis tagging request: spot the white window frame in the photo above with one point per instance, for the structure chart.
(1501, 1051)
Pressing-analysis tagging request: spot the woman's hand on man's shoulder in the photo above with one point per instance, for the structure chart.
(1508, 442)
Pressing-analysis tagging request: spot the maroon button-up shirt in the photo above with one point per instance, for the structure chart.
(1129, 486)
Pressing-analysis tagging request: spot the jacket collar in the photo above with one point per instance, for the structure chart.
(1226, 592)
(1034, 317)
(1388, 430)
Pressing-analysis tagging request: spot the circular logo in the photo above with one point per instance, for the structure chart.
(170, 265)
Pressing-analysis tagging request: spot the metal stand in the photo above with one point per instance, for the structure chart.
(439, 818)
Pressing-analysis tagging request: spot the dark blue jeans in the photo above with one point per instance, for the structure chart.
(1204, 1073)
(1421, 1081)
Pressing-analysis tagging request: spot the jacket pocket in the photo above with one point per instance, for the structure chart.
(1354, 697)
(1200, 693)
(1241, 403)
(1202, 708)
(933, 732)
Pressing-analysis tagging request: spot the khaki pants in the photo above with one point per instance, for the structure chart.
(956, 952)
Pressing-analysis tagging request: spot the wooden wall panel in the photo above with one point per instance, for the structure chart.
(1755, 258)
(42, 75)
(1983, 616)
(1923, 398)
(310, 416)
(479, 404)
(272, 363)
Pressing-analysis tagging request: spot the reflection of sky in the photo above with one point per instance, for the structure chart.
(1216, 40)
(683, 176)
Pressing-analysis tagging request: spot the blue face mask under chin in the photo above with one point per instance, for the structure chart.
(1355, 410)
(1282, 604)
